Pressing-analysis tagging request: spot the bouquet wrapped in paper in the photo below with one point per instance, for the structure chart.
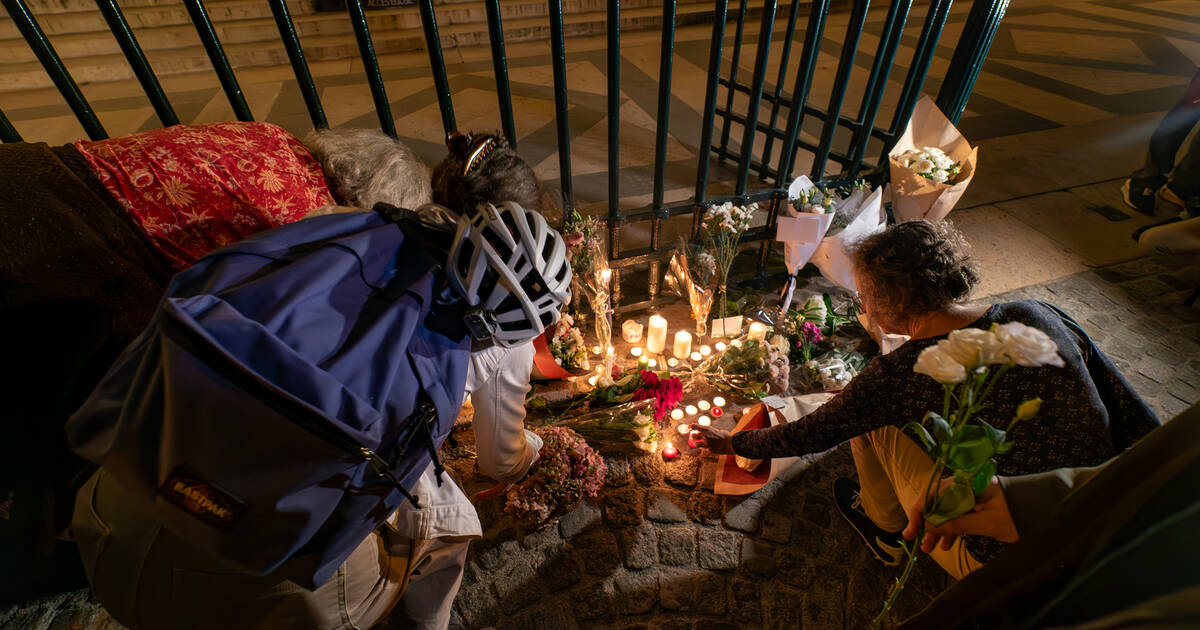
(752, 368)
(692, 275)
(864, 215)
(810, 212)
(560, 351)
(931, 165)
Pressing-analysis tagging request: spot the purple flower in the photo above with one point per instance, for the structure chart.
(810, 332)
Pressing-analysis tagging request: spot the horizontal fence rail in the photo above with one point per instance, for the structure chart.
(757, 128)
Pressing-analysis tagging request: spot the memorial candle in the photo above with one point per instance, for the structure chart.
(631, 331)
(703, 421)
(704, 405)
(636, 352)
(672, 362)
(720, 346)
(718, 401)
(757, 331)
(669, 452)
(690, 409)
(677, 414)
(696, 356)
(683, 344)
(705, 350)
(684, 429)
(656, 335)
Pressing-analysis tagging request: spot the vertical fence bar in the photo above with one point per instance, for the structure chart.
(216, 56)
(733, 68)
(8, 133)
(558, 59)
(804, 76)
(720, 12)
(756, 89)
(858, 16)
(291, 42)
(662, 131)
(982, 23)
(137, 61)
(889, 40)
(500, 70)
(366, 49)
(764, 171)
(437, 63)
(54, 67)
(931, 31)
(614, 127)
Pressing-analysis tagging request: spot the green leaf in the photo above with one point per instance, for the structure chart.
(972, 447)
(984, 477)
(1003, 448)
(995, 435)
(941, 428)
(955, 500)
(921, 434)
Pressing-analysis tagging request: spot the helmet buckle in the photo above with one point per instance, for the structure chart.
(480, 322)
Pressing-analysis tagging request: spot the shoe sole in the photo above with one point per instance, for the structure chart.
(887, 562)
(1125, 191)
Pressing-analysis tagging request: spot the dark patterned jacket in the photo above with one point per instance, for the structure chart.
(1089, 413)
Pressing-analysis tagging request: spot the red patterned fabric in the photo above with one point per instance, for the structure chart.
(193, 189)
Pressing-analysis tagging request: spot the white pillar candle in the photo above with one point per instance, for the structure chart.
(718, 402)
(636, 351)
(683, 344)
(653, 363)
(631, 331)
(696, 356)
(677, 414)
(703, 421)
(757, 331)
(684, 429)
(656, 335)
(705, 351)
(690, 409)
(720, 346)
(704, 405)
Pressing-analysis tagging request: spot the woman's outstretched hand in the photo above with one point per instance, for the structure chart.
(715, 440)
(990, 517)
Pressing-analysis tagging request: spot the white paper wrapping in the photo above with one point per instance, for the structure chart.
(831, 256)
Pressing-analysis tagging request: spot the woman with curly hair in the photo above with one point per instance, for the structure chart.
(915, 279)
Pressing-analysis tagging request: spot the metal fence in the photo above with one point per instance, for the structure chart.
(776, 135)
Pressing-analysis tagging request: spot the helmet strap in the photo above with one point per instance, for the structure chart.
(480, 322)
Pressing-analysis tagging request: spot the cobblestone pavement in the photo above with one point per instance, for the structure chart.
(659, 550)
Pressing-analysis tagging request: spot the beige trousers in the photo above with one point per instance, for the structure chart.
(149, 579)
(893, 472)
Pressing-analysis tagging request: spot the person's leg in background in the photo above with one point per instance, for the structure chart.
(1139, 190)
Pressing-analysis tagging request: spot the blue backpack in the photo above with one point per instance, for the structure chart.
(288, 390)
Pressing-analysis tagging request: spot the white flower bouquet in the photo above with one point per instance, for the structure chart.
(969, 364)
(810, 212)
(560, 351)
(931, 165)
(723, 228)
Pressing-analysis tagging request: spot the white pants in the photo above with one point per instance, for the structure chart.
(893, 472)
(149, 579)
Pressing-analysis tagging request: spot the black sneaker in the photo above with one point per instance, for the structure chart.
(1139, 195)
(885, 546)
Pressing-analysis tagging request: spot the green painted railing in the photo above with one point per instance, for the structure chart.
(788, 111)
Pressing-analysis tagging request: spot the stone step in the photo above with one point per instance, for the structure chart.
(94, 59)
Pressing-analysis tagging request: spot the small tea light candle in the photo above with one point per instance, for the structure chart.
(716, 412)
(703, 421)
(631, 331)
(592, 380)
(669, 452)
(690, 409)
(757, 331)
(696, 356)
(672, 362)
(605, 276)
(677, 414)
(637, 351)
(600, 369)
(656, 334)
(705, 350)
(610, 351)
(595, 349)
(736, 343)
(683, 344)
(652, 363)
(704, 405)
(718, 401)
(684, 429)
(720, 346)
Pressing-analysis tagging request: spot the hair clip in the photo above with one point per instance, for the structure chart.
(483, 148)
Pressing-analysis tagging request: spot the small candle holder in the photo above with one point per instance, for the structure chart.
(669, 452)
(717, 412)
(690, 410)
(703, 421)
(684, 429)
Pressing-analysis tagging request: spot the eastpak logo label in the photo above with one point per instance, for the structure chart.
(201, 499)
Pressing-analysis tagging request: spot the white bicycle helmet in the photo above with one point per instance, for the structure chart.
(512, 268)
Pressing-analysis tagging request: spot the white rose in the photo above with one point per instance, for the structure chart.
(943, 161)
(973, 347)
(1028, 346)
(933, 151)
(813, 208)
(604, 381)
(934, 362)
(921, 166)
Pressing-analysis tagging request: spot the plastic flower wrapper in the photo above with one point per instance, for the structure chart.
(865, 215)
(917, 194)
(560, 351)
(753, 369)
(629, 423)
(723, 228)
(832, 371)
(566, 472)
(692, 275)
(969, 363)
(801, 230)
